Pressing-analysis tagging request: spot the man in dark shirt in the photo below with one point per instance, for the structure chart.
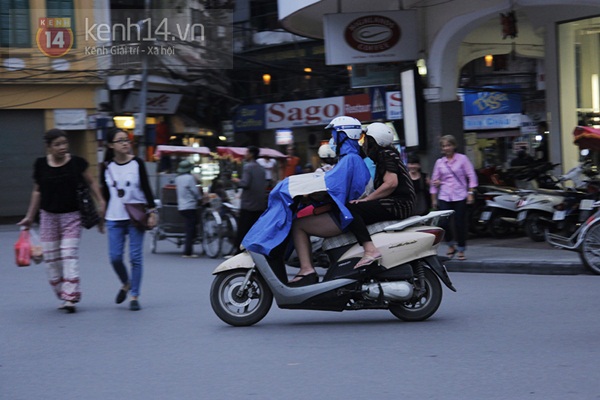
(522, 159)
(254, 200)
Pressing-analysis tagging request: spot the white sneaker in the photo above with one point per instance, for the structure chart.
(68, 306)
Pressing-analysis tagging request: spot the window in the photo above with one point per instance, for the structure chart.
(14, 23)
(62, 9)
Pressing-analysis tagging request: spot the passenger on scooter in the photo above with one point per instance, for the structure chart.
(327, 156)
(394, 196)
(345, 182)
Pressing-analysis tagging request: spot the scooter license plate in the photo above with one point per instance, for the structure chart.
(521, 216)
(586, 204)
(486, 215)
(558, 215)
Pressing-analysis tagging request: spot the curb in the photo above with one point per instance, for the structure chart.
(517, 267)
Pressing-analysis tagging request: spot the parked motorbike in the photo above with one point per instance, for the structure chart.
(538, 211)
(406, 281)
(500, 213)
(499, 217)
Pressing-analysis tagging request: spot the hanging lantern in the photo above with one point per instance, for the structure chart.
(489, 60)
(509, 25)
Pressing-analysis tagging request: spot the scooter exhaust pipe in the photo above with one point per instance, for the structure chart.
(393, 291)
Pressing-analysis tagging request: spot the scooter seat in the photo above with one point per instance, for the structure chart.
(349, 238)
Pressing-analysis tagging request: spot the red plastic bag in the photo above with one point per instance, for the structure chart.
(23, 249)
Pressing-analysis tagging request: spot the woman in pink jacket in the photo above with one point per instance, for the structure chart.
(453, 183)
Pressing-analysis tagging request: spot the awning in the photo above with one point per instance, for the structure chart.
(587, 137)
(181, 150)
(240, 152)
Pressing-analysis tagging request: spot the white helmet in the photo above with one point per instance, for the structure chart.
(325, 151)
(349, 125)
(381, 133)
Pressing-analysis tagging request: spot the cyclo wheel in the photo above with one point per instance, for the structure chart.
(211, 237)
(240, 309)
(590, 248)
(228, 235)
(423, 307)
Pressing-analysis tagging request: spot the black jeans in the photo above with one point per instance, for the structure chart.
(456, 226)
(191, 224)
(366, 213)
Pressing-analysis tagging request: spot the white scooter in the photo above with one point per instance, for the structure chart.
(536, 211)
(500, 212)
(406, 281)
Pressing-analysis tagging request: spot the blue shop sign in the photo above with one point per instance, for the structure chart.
(502, 101)
(378, 102)
(249, 118)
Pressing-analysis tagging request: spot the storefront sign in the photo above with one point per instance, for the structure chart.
(393, 104)
(303, 113)
(71, 119)
(156, 103)
(380, 74)
(489, 102)
(358, 106)
(358, 38)
(249, 118)
(500, 121)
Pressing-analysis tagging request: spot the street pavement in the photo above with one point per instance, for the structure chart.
(176, 347)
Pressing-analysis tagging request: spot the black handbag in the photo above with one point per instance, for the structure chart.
(87, 207)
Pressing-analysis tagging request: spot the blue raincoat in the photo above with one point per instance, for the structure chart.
(345, 182)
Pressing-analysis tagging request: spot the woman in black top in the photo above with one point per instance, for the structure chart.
(420, 182)
(394, 194)
(56, 177)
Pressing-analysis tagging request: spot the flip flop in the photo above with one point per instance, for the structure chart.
(367, 260)
(451, 252)
(304, 280)
(461, 256)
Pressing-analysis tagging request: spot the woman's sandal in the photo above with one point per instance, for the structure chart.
(308, 279)
(367, 260)
(461, 256)
(451, 252)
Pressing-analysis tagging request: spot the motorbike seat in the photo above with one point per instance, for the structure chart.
(349, 238)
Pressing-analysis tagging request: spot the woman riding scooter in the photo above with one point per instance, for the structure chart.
(345, 182)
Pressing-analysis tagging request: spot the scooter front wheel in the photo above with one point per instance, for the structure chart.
(424, 306)
(590, 248)
(237, 305)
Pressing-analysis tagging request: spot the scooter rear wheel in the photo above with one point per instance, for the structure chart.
(590, 248)
(535, 227)
(240, 309)
(423, 307)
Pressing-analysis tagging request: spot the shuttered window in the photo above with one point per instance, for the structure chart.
(14, 23)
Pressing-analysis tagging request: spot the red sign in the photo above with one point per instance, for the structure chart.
(358, 106)
(54, 36)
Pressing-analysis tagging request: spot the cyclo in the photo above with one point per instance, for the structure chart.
(586, 239)
(171, 225)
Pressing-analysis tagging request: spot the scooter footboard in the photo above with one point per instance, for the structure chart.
(440, 271)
